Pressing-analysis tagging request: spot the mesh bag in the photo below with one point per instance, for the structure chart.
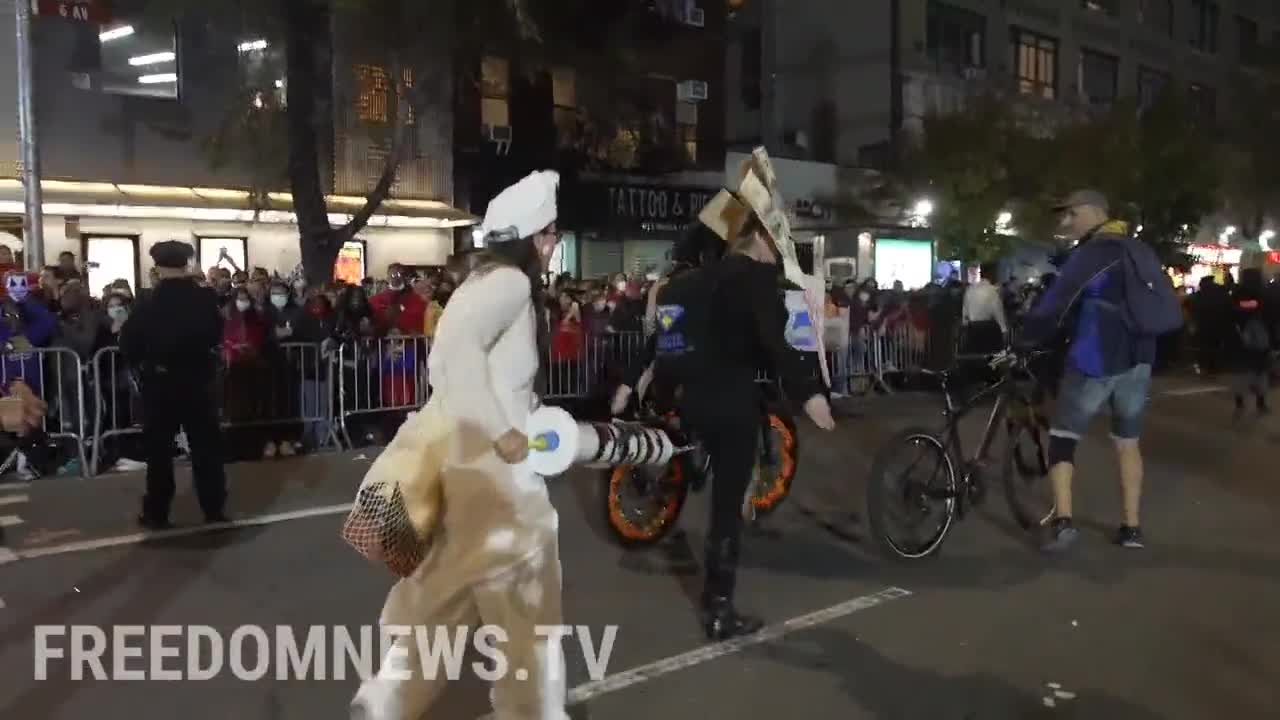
(398, 504)
(378, 528)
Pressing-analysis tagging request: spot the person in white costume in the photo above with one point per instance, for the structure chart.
(494, 559)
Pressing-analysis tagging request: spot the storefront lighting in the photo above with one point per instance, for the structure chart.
(123, 31)
(1264, 240)
(158, 79)
(271, 217)
(923, 208)
(1004, 218)
(152, 59)
(252, 45)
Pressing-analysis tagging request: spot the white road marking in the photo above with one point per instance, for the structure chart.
(675, 663)
(140, 537)
(13, 499)
(9, 521)
(1202, 390)
(7, 555)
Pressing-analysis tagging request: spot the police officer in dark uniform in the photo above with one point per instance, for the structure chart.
(170, 341)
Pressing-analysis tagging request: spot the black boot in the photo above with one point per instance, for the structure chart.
(1262, 405)
(720, 620)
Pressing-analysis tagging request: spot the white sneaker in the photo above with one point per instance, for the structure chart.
(269, 451)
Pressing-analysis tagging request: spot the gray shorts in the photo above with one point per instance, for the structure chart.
(1080, 397)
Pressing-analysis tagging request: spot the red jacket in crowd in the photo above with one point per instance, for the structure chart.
(410, 311)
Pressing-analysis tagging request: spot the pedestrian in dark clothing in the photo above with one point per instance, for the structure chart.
(1255, 337)
(170, 341)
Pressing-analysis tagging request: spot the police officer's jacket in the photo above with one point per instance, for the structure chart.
(175, 330)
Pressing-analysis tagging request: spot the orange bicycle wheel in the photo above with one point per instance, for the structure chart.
(664, 497)
(771, 490)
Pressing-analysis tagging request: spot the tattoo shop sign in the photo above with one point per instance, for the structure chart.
(647, 208)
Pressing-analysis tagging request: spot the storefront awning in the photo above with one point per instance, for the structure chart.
(94, 199)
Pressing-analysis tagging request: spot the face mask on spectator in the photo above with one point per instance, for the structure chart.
(117, 312)
(243, 305)
(279, 300)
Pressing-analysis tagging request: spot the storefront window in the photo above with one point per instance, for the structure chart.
(223, 252)
(349, 267)
(109, 259)
(907, 261)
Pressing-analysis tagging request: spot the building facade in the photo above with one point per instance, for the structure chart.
(155, 129)
(631, 114)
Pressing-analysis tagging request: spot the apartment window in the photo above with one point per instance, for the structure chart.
(1099, 75)
(1035, 60)
(956, 37)
(1250, 50)
(1151, 85)
(687, 129)
(1157, 15)
(372, 94)
(1203, 101)
(752, 69)
(495, 92)
(262, 73)
(1204, 26)
(564, 94)
(1108, 7)
(135, 55)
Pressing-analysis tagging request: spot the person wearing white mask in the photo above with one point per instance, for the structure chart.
(494, 556)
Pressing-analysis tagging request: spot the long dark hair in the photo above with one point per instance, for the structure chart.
(522, 255)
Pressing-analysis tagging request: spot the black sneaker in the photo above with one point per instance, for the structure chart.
(151, 523)
(1130, 537)
(1062, 535)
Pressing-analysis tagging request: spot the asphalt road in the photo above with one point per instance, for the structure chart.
(989, 629)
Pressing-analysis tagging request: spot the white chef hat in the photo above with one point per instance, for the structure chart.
(522, 209)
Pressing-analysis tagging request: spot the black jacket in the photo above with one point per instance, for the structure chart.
(176, 326)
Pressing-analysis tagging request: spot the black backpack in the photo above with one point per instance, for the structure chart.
(1151, 303)
(682, 324)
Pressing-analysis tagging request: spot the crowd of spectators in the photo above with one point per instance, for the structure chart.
(282, 339)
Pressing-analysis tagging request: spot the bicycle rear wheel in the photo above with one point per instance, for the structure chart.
(925, 489)
(1026, 475)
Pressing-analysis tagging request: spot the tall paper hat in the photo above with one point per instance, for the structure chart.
(758, 188)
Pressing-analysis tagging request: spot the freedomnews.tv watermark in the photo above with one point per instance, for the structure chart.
(250, 653)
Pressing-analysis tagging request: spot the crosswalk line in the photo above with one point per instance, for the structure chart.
(9, 521)
(13, 499)
(7, 555)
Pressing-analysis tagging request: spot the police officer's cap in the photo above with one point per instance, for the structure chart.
(171, 254)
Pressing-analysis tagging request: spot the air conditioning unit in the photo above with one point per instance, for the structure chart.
(697, 17)
(691, 91)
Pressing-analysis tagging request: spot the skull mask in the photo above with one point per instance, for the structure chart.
(16, 285)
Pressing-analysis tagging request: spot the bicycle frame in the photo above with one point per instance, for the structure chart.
(954, 414)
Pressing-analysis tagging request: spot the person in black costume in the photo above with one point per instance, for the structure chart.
(170, 342)
(722, 408)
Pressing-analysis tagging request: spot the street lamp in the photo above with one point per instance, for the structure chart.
(1227, 232)
(923, 208)
(1004, 218)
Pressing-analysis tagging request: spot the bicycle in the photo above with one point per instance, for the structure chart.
(664, 490)
(957, 481)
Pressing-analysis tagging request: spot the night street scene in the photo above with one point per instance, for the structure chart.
(634, 359)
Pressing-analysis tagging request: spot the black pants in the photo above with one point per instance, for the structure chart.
(172, 401)
(729, 432)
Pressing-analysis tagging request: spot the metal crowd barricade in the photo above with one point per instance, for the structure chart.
(291, 385)
(381, 375)
(582, 373)
(56, 375)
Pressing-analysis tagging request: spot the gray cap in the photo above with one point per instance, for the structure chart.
(1083, 197)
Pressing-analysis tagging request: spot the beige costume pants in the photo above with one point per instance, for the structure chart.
(519, 599)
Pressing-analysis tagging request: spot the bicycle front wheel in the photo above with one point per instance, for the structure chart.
(911, 495)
